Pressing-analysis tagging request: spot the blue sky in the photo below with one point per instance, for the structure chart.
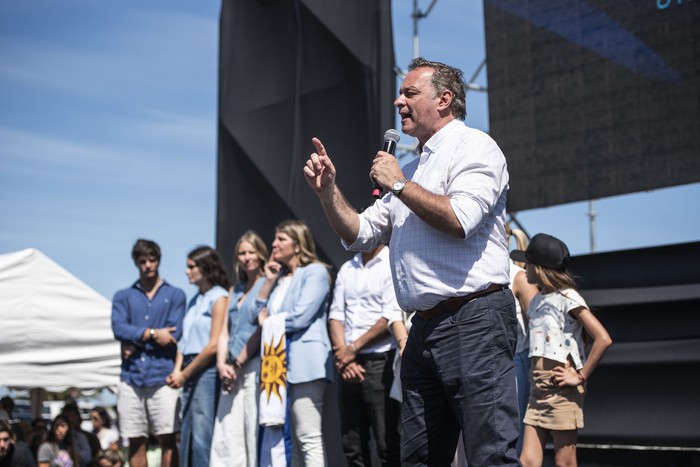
(108, 134)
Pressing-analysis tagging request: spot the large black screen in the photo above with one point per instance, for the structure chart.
(594, 98)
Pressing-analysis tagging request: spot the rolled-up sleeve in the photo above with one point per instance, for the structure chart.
(375, 227)
(337, 309)
(477, 185)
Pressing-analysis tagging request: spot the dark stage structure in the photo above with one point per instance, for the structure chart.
(289, 71)
(642, 407)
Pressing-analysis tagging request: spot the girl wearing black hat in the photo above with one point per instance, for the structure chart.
(559, 366)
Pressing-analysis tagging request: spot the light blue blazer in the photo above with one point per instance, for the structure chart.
(306, 304)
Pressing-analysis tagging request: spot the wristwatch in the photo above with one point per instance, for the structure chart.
(152, 333)
(398, 186)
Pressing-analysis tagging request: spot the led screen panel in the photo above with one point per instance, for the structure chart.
(593, 98)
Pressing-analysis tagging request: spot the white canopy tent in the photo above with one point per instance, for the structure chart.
(55, 331)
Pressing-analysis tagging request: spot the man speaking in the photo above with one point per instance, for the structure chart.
(445, 219)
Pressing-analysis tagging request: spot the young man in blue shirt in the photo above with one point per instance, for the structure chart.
(147, 320)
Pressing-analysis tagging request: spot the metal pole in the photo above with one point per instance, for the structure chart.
(591, 216)
(416, 17)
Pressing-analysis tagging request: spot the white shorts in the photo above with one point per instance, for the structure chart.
(145, 410)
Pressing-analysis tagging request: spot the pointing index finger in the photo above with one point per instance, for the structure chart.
(319, 147)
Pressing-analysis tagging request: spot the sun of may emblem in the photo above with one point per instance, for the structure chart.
(273, 373)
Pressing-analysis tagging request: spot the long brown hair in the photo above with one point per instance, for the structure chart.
(68, 441)
(210, 265)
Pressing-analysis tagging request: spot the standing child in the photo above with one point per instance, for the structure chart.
(559, 367)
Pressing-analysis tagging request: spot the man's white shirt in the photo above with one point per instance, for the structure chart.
(363, 294)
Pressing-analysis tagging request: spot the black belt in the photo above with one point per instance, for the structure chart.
(364, 357)
(451, 304)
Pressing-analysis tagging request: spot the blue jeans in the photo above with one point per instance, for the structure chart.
(522, 377)
(457, 373)
(199, 398)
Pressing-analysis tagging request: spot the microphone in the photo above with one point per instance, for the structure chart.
(391, 137)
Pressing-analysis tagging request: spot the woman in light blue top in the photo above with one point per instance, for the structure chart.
(235, 438)
(298, 284)
(195, 364)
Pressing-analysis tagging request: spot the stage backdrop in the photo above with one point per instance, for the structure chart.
(593, 98)
(645, 391)
(288, 71)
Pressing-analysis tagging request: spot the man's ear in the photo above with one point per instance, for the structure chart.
(445, 100)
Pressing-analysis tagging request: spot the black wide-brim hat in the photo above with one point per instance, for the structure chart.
(544, 250)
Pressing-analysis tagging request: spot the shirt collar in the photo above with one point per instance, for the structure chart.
(439, 138)
(382, 256)
(137, 284)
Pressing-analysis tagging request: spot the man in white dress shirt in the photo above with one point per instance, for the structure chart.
(363, 304)
(445, 218)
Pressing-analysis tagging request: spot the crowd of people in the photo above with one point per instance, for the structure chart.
(443, 337)
(63, 444)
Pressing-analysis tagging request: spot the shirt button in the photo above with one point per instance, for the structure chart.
(143, 359)
(146, 316)
(149, 304)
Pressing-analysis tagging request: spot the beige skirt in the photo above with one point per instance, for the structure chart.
(552, 407)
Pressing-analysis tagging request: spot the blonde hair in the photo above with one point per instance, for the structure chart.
(256, 240)
(300, 234)
(521, 240)
(554, 280)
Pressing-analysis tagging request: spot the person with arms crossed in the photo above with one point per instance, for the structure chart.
(445, 218)
(363, 304)
(147, 320)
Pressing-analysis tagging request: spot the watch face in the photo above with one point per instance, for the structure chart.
(398, 185)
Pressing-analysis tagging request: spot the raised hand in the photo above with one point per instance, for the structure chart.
(272, 270)
(319, 171)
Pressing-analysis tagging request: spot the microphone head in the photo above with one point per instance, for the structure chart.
(392, 135)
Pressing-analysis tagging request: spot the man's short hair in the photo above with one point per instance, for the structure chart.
(145, 248)
(446, 77)
(4, 426)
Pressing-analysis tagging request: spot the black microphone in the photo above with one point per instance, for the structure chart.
(391, 137)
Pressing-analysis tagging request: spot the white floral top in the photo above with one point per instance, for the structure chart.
(554, 333)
